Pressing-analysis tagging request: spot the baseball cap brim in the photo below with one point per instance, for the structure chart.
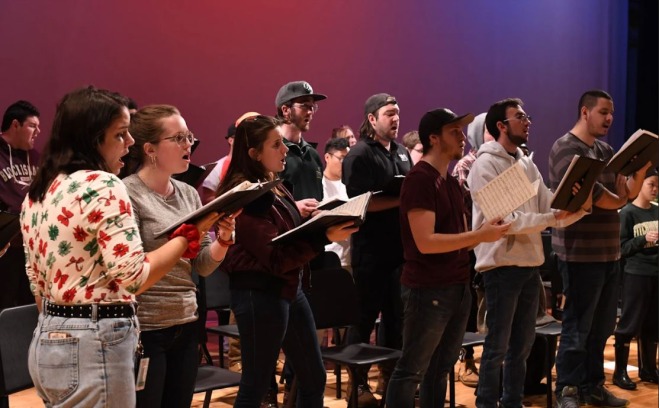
(463, 120)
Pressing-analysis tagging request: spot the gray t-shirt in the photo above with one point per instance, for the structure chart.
(172, 300)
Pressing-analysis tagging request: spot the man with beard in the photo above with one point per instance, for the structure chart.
(377, 163)
(296, 104)
(588, 258)
(510, 266)
(435, 279)
(18, 165)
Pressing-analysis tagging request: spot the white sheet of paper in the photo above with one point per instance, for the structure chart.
(505, 193)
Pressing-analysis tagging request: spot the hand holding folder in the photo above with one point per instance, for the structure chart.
(228, 203)
(582, 173)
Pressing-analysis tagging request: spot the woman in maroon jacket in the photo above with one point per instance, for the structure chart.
(267, 280)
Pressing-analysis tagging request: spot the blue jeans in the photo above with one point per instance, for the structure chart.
(589, 316)
(173, 360)
(511, 295)
(92, 366)
(266, 324)
(434, 324)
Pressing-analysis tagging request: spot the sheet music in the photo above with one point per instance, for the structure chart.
(353, 207)
(505, 193)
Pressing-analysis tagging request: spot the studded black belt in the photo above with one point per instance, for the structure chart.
(85, 311)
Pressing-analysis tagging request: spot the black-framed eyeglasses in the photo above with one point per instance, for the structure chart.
(309, 107)
(521, 117)
(181, 138)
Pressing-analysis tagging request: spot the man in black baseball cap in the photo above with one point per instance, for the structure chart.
(377, 163)
(434, 234)
(372, 116)
(303, 174)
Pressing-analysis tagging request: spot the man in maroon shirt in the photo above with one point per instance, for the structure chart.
(18, 164)
(435, 278)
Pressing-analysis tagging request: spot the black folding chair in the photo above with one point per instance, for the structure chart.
(334, 303)
(210, 377)
(17, 325)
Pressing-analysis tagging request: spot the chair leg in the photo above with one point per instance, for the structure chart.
(354, 401)
(548, 372)
(205, 354)
(337, 374)
(207, 399)
(451, 387)
(221, 348)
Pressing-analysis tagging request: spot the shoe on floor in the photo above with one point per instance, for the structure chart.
(648, 376)
(601, 397)
(365, 398)
(468, 373)
(568, 398)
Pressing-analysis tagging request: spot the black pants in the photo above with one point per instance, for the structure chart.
(174, 356)
(378, 286)
(639, 307)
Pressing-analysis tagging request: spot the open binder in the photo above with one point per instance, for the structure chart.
(583, 170)
(331, 203)
(641, 147)
(353, 210)
(229, 202)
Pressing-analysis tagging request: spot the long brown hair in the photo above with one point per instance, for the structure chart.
(251, 133)
(81, 119)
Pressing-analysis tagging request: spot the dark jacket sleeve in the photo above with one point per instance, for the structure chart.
(629, 244)
(254, 250)
(357, 176)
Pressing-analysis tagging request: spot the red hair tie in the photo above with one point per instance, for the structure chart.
(191, 234)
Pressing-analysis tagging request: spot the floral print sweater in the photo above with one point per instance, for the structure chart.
(81, 242)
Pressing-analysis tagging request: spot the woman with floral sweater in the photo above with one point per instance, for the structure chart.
(85, 258)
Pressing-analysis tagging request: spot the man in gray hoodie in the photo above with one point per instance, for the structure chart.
(477, 134)
(510, 265)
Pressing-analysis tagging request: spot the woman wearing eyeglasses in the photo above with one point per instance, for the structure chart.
(267, 280)
(86, 260)
(168, 311)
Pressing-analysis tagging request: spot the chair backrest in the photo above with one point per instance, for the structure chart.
(17, 326)
(217, 293)
(333, 299)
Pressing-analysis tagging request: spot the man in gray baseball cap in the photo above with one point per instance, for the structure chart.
(296, 105)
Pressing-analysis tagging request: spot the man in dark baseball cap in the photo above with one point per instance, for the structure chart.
(372, 115)
(434, 234)
(377, 163)
(434, 121)
(294, 90)
(303, 174)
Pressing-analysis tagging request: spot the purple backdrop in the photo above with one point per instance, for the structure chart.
(217, 59)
